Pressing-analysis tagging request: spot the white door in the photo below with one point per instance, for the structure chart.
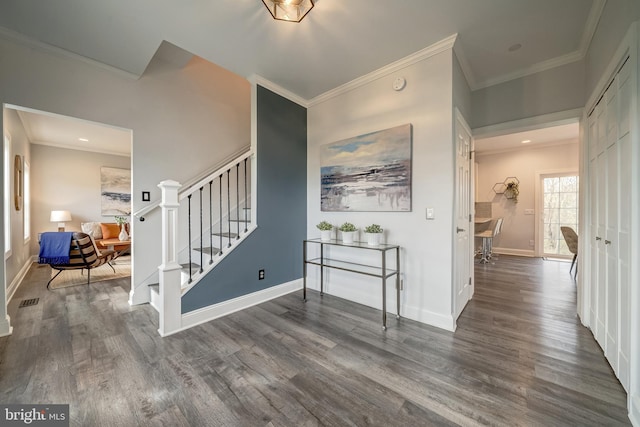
(610, 171)
(463, 264)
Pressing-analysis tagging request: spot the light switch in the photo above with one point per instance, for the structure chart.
(430, 213)
(528, 212)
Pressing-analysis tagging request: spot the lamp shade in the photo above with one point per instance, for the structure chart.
(288, 10)
(60, 216)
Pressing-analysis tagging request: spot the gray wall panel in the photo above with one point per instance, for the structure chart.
(276, 246)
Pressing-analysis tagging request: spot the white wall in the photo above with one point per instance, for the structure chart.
(184, 121)
(518, 228)
(426, 103)
(550, 91)
(64, 179)
(614, 22)
(20, 254)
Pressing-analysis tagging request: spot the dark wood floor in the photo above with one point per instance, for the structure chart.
(519, 357)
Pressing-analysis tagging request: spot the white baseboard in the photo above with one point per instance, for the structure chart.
(17, 281)
(634, 410)
(421, 315)
(375, 301)
(202, 315)
(5, 327)
(515, 252)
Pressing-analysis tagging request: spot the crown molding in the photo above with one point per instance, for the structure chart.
(587, 35)
(256, 79)
(592, 24)
(21, 39)
(464, 64)
(78, 148)
(421, 55)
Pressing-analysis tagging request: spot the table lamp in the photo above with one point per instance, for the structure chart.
(60, 217)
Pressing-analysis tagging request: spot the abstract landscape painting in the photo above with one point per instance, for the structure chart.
(115, 191)
(367, 173)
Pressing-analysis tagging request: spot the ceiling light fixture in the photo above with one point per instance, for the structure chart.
(83, 139)
(526, 141)
(515, 47)
(288, 10)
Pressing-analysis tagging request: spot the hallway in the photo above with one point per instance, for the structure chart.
(519, 357)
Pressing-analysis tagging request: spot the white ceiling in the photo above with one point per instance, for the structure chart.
(563, 134)
(336, 43)
(65, 132)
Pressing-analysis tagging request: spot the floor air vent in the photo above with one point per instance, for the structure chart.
(28, 302)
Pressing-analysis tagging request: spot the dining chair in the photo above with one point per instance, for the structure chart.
(571, 238)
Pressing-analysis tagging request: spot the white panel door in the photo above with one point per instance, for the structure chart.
(463, 264)
(610, 223)
(624, 224)
(611, 226)
(601, 169)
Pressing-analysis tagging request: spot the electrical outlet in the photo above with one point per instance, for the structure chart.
(528, 211)
(260, 274)
(532, 243)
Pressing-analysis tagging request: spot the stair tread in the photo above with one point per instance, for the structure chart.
(225, 234)
(241, 220)
(154, 285)
(194, 266)
(209, 250)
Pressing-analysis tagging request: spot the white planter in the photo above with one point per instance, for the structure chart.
(348, 236)
(123, 236)
(373, 239)
(326, 234)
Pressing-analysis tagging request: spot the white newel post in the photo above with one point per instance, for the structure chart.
(170, 288)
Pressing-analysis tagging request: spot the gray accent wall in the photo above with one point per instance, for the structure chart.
(276, 245)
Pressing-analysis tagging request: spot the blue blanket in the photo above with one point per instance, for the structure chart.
(55, 248)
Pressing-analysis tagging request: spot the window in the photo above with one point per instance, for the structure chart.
(560, 195)
(7, 196)
(27, 202)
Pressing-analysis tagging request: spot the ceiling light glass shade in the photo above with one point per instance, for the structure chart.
(288, 10)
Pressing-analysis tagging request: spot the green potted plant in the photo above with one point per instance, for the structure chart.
(348, 232)
(512, 191)
(326, 230)
(374, 233)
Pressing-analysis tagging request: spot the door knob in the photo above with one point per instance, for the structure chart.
(607, 242)
(459, 230)
(598, 238)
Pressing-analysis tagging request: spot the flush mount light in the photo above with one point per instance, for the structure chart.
(515, 47)
(83, 139)
(526, 141)
(288, 10)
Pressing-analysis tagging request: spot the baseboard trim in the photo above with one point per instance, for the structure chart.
(17, 281)
(446, 322)
(203, 315)
(5, 327)
(515, 252)
(634, 410)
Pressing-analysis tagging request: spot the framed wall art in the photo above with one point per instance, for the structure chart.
(115, 191)
(367, 173)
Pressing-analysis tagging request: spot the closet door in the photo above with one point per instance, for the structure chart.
(610, 175)
(610, 247)
(624, 223)
(601, 257)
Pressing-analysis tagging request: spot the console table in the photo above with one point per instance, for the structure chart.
(381, 272)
